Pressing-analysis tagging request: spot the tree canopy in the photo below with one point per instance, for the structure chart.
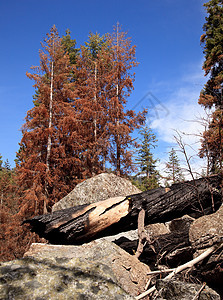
(212, 96)
(79, 120)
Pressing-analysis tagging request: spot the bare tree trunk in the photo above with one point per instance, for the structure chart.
(49, 142)
(220, 136)
(221, 144)
(103, 163)
(95, 102)
(173, 172)
(118, 150)
(1, 203)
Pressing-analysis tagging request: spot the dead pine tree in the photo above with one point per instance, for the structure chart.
(121, 122)
(49, 142)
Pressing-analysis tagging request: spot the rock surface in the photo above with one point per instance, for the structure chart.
(178, 290)
(130, 235)
(154, 230)
(181, 224)
(98, 270)
(44, 279)
(207, 230)
(97, 188)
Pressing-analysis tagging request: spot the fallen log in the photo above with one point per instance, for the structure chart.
(86, 222)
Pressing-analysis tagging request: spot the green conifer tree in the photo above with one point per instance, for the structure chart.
(148, 175)
(70, 47)
(173, 169)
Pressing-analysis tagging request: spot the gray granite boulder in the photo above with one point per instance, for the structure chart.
(97, 188)
(98, 270)
(154, 230)
(181, 224)
(207, 230)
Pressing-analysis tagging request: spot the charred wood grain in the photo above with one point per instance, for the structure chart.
(181, 199)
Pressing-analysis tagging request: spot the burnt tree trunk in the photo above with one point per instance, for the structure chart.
(87, 222)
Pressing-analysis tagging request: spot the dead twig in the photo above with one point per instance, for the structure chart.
(200, 290)
(182, 146)
(148, 283)
(146, 293)
(160, 271)
(219, 256)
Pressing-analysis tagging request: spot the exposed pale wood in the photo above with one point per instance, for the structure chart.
(200, 290)
(106, 214)
(157, 272)
(80, 223)
(193, 261)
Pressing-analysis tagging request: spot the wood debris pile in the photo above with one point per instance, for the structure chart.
(190, 252)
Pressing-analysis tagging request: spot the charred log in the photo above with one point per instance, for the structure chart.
(84, 223)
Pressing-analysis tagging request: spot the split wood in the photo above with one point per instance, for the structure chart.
(143, 236)
(183, 267)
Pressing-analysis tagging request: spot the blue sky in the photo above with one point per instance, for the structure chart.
(166, 33)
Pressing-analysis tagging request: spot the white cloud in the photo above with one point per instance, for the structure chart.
(183, 115)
